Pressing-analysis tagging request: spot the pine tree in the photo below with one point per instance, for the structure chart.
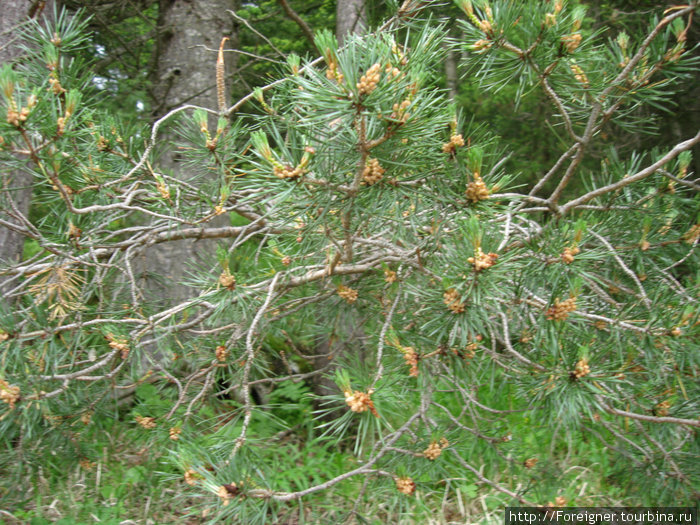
(359, 189)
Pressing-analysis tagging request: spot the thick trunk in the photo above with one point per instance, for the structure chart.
(16, 183)
(191, 31)
(14, 12)
(351, 17)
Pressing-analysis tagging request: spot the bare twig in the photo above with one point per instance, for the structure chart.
(299, 21)
(250, 356)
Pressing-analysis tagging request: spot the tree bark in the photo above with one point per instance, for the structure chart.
(190, 33)
(15, 184)
(351, 18)
(185, 73)
(451, 76)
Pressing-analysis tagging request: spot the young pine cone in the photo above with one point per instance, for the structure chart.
(399, 110)
(455, 142)
(360, 401)
(228, 492)
(146, 422)
(692, 234)
(477, 190)
(568, 255)
(435, 449)
(561, 310)
(571, 42)
(349, 294)
(530, 462)
(661, 409)
(452, 299)
(579, 75)
(332, 73)
(481, 260)
(405, 485)
(287, 172)
(9, 393)
(373, 172)
(119, 343)
(227, 280)
(582, 369)
(221, 353)
(368, 82)
(191, 476)
(411, 357)
(467, 352)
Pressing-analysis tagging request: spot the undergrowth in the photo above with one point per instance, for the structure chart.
(133, 475)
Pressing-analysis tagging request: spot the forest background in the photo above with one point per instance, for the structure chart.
(263, 426)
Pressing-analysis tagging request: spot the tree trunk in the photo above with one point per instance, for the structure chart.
(190, 33)
(451, 76)
(351, 17)
(16, 184)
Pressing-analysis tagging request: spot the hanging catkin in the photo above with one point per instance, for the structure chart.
(220, 85)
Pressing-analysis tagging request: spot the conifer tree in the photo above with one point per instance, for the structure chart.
(358, 187)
